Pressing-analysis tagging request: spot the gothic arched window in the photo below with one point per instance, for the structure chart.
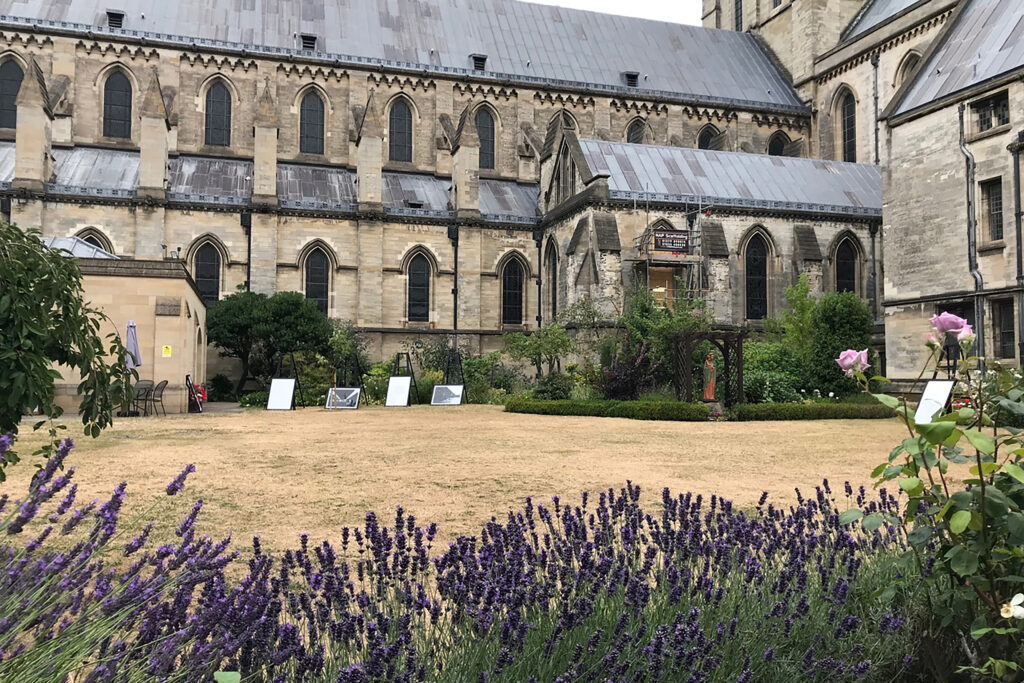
(400, 131)
(218, 115)
(756, 274)
(848, 126)
(117, 106)
(906, 69)
(311, 124)
(635, 132)
(846, 266)
(777, 144)
(11, 76)
(207, 273)
(706, 137)
(419, 289)
(512, 276)
(485, 131)
(318, 278)
(551, 275)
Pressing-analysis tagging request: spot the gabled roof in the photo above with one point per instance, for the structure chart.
(529, 42)
(985, 40)
(734, 180)
(877, 12)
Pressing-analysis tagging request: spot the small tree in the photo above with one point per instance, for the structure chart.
(229, 325)
(44, 322)
(798, 321)
(547, 345)
(287, 322)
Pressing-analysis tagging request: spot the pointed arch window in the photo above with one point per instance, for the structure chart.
(910, 63)
(117, 106)
(846, 266)
(551, 274)
(318, 278)
(218, 115)
(777, 144)
(94, 241)
(419, 289)
(311, 124)
(756, 274)
(207, 273)
(512, 276)
(706, 137)
(11, 76)
(848, 126)
(635, 132)
(485, 131)
(400, 131)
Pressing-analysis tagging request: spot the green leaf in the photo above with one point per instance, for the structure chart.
(872, 522)
(850, 516)
(1015, 525)
(878, 470)
(959, 521)
(920, 536)
(963, 561)
(910, 484)
(887, 400)
(981, 442)
(1015, 471)
(936, 432)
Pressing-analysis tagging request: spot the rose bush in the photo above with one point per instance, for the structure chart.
(966, 537)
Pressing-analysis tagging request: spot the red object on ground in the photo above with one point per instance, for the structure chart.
(200, 392)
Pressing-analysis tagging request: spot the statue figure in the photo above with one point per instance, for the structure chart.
(709, 377)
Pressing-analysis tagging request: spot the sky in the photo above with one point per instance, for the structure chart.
(678, 11)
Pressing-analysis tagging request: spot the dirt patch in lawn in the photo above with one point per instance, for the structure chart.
(280, 474)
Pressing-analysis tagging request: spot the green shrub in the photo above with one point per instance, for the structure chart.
(748, 412)
(375, 382)
(554, 386)
(636, 410)
(425, 384)
(258, 399)
(841, 320)
(769, 386)
(220, 388)
(254, 399)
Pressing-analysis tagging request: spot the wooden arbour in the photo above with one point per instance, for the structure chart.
(729, 342)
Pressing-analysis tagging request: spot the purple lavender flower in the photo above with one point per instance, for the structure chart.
(178, 483)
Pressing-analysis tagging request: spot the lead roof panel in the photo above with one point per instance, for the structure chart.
(508, 198)
(6, 162)
(519, 39)
(210, 177)
(985, 43)
(878, 12)
(105, 169)
(329, 186)
(736, 179)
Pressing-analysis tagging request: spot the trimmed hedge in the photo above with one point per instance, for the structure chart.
(746, 412)
(635, 410)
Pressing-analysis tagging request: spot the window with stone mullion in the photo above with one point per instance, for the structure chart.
(317, 279)
(512, 293)
(218, 116)
(117, 106)
(756, 262)
(400, 132)
(485, 132)
(208, 274)
(849, 127)
(311, 124)
(11, 76)
(419, 289)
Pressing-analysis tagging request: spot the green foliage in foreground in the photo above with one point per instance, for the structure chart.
(748, 412)
(44, 322)
(636, 410)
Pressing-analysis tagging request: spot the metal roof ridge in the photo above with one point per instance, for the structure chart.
(339, 59)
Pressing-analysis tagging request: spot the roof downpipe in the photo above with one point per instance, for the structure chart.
(972, 239)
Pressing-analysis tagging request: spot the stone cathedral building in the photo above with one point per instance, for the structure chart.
(422, 166)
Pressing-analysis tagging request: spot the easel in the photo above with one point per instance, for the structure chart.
(352, 371)
(295, 372)
(397, 370)
(453, 367)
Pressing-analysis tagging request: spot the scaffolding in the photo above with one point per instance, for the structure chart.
(664, 249)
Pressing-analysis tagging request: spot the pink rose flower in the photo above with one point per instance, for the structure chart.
(851, 361)
(965, 335)
(946, 323)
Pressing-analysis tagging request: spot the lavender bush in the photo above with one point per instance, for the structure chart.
(601, 590)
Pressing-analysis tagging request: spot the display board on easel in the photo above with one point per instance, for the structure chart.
(282, 394)
(294, 387)
(402, 383)
(194, 404)
(346, 396)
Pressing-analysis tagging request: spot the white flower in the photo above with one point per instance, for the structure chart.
(1014, 608)
(831, 394)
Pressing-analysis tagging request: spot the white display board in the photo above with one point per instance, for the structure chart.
(933, 399)
(282, 394)
(398, 391)
(446, 395)
(342, 399)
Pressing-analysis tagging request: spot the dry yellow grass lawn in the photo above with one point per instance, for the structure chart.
(279, 474)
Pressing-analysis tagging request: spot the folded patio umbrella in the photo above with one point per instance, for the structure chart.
(134, 358)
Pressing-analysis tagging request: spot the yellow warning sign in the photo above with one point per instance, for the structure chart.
(166, 351)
